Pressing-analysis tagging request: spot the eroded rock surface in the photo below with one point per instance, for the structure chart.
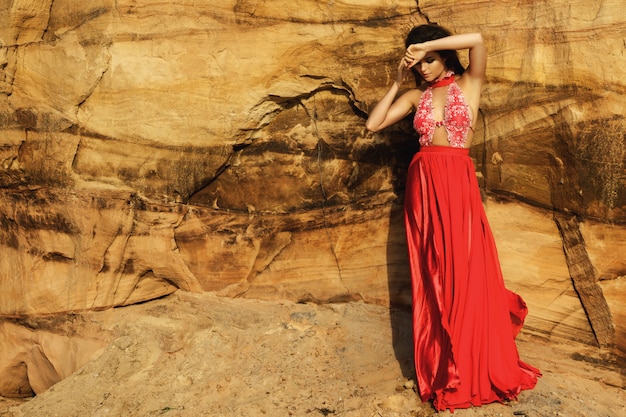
(147, 147)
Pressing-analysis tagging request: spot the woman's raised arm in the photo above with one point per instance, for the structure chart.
(472, 41)
(389, 110)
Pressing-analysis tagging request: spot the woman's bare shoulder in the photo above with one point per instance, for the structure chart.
(413, 95)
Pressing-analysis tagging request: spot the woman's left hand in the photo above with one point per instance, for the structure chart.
(414, 54)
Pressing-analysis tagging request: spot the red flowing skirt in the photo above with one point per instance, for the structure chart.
(464, 319)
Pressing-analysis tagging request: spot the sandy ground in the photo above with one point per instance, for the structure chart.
(200, 355)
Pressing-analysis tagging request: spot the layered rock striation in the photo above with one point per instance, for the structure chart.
(149, 147)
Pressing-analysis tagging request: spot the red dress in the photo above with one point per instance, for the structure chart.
(464, 319)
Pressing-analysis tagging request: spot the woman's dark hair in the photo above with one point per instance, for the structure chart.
(429, 32)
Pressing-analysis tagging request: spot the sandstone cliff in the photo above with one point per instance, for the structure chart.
(149, 147)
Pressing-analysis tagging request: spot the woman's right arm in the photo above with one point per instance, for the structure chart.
(389, 110)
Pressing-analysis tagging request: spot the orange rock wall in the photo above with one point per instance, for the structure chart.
(151, 146)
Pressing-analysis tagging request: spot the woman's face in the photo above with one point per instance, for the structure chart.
(431, 67)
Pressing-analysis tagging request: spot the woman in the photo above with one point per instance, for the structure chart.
(464, 319)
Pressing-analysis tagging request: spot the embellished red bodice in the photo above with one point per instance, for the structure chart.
(457, 115)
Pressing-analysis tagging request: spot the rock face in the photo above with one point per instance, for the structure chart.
(149, 146)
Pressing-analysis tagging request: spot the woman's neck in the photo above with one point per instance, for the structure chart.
(447, 79)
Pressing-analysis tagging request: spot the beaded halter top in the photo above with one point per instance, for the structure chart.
(457, 115)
